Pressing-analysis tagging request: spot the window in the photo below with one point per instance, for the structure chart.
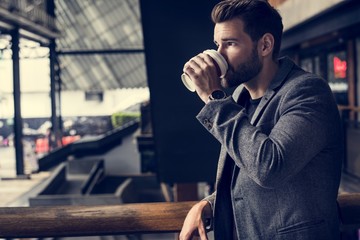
(311, 64)
(337, 76)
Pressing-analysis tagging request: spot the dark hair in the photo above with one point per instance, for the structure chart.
(259, 17)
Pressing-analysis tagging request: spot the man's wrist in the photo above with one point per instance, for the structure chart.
(208, 215)
(217, 95)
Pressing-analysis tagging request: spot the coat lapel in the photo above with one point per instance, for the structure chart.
(264, 101)
(241, 93)
(285, 67)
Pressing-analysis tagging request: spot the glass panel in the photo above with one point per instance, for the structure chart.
(85, 113)
(97, 23)
(7, 150)
(35, 103)
(337, 76)
(317, 69)
(352, 163)
(307, 64)
(358, 72)
(101, 72)
(311, 64)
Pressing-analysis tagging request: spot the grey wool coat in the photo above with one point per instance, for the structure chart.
(279, 172)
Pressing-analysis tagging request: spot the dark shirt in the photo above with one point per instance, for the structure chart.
(251, 105)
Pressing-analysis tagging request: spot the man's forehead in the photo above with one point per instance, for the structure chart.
(229, 29)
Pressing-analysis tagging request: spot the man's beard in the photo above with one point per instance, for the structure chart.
(243, 72)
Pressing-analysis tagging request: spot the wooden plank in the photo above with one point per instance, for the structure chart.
(61, 221)
(349, 211)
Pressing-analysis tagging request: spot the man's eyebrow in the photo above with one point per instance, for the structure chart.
(229, 39)
(226, 40)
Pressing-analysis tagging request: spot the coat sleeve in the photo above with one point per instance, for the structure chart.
(299, 128)
(211, 200)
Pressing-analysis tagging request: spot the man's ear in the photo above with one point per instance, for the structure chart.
(266, 44)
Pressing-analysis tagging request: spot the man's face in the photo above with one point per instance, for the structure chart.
(239, 51)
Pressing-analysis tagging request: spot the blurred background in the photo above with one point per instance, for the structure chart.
(91, 96)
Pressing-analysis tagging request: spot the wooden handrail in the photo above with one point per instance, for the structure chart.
(349, 205)
(349, 108)
(62, 221)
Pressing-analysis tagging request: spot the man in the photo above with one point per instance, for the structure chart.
(280, 162)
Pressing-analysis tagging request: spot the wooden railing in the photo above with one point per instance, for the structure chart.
(349, 205)
(61, 221)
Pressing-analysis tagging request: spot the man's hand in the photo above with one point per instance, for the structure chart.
(204, 73)
(194, 224)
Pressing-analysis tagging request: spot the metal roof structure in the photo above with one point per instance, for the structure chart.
(101, 46)
(99, 43)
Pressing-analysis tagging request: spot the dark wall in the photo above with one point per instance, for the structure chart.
(174, 31)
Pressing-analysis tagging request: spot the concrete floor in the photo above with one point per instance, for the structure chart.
(12, 187)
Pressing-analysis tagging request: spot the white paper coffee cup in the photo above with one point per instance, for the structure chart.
(219, 60)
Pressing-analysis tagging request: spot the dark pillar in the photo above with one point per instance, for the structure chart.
(54, 93)
(18, 125)
(50, 7)
(55, 85)
(185, 152)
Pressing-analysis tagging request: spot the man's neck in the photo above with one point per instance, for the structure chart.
(258, 85)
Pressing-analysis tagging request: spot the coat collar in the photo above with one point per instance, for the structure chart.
(285, 66)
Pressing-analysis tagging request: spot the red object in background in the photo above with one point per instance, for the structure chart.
(69, 139)
(42, 144)
(340, 68)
